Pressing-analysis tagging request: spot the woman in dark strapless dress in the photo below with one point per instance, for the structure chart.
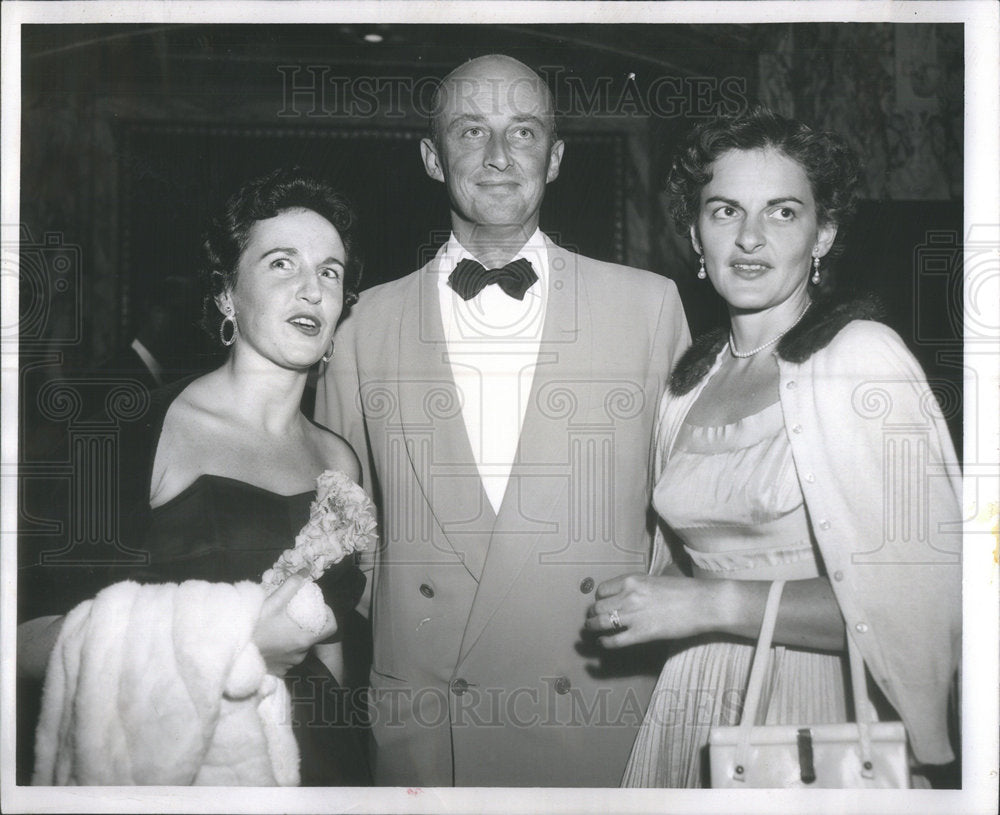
(216, 478)
(224, 530)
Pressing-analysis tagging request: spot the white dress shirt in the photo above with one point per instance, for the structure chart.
(493, 341)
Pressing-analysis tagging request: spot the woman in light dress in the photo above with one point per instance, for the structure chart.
(784, 452)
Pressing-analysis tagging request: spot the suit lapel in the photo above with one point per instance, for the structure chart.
(433, 429)
(536, 495)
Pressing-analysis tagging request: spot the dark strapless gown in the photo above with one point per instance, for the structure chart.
(224, 530)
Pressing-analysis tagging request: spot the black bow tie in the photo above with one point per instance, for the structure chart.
(471, 277)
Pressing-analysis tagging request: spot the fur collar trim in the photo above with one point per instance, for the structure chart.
(815, 331)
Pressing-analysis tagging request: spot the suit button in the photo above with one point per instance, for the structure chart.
(587, 585)
(426, 590)
(838, 575)
(861, 628)
(796, 428)
(792, 385)
(459, 686)
(562, 685)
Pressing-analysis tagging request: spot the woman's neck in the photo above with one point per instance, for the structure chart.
(263, 394)
(751, 330)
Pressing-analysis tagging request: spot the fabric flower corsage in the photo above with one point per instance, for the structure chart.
(341, 522)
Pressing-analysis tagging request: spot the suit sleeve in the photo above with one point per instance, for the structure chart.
(338, 407)
(672, 333)
(338, 403)
(670, 340)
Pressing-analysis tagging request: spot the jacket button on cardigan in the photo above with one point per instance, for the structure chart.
(810, 478)
(838, 575)
(792, 385)
(426, 590)
(587, 585)
(562, 685)
(459, 686)
(861, 628)
(824, 525)
(796, 428)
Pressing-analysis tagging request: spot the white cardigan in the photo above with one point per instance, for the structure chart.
(882, 488)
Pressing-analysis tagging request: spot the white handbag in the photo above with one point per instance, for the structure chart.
(867, 753)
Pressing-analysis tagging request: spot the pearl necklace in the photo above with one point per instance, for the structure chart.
(769, 343)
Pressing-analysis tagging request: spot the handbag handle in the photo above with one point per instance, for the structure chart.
(864, 710)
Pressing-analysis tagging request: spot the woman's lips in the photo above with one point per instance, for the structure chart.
(748, 268)
(305, 323)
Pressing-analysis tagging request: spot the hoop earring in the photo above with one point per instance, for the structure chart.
(815, 275)
(229, 318)
(329, 355)
(702, 274)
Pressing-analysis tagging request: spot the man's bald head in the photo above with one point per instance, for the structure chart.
(511, 83)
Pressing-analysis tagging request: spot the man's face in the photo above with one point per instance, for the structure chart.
(494, 148)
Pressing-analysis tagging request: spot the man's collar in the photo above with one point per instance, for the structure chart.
(534, 249)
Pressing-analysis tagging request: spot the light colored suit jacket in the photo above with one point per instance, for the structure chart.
(481, 675)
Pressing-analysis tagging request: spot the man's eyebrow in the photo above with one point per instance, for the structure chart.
(479, 118)
(467, 118)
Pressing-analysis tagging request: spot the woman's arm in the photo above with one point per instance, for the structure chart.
(674, 607)
(331, 654)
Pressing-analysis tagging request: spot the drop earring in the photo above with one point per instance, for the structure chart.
(329, 354)
(234, 330)
(815, 275)
(702, 274)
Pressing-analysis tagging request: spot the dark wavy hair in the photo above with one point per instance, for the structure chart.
(832, 167)
(257, 200)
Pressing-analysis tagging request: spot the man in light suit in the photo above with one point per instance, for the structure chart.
(503, 419)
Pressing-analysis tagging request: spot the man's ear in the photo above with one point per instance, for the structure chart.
(694, 240)
(432, 162)
(555, 159)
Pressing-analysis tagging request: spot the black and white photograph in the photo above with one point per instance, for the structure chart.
(500, 407)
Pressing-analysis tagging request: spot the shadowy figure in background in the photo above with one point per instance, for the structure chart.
(165, 343)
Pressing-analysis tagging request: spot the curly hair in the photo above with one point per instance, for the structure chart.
(832, 167)
(258, 199)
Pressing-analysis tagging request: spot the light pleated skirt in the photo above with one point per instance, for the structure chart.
(704, 685)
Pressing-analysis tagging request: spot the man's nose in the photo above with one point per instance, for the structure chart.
(497, 153)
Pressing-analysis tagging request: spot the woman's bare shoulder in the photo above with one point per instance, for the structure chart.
(180, 450)
(336, 453)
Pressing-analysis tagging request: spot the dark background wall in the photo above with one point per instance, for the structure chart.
(130, 134)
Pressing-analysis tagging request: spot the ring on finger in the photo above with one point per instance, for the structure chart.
(616, 620)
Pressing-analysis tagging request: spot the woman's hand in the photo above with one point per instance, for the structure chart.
(651, 608)
(280, 640)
